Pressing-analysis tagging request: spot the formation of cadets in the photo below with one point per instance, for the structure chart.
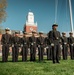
(54, 44)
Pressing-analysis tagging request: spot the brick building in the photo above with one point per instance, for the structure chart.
(30, 25)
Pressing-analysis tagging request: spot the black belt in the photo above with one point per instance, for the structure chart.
(6, 43)
(15, 43)
(41, 44)
(33, 42)
(25, 43)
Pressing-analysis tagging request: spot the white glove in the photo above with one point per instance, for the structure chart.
(52, 44)
(61, 47)
(1, 45)
(12, 45)
(38, 45)
(31, 43)
(71, 44)
(65, 43)
(47, 47)
(21, 45)
(57, 38)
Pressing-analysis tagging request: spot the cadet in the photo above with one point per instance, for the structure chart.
(6, 42)
(24, 45)
(15, 46)
(33, 46)
(71, 44)
(40, 43)
(48, 48)
(64, 40)
(54, 36)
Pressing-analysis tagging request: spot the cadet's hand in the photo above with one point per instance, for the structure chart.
(12, 45)
(21, 45)
(10, 48)
(52, 44)
(61, 47)
(38, 45)
(47, 47)
(68, 45)
(1, 45)
(31, 43)
(71, 44)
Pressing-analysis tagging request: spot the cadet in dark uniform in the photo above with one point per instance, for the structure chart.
(33, 46)
(24, 45)
(64, 40)
(54, 37)
(40, 43)
(48, 48)
(71, 44)
(15, 46)
(6, 41)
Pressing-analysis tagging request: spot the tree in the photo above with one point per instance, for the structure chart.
(3, 5)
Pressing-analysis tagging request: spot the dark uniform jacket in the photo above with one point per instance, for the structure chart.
(47, 41)
(33, 41)
(25, 41)
(71, 40)
(64, 40)
(6, 39)
(16, 40)
(54, 36)
(41, 41)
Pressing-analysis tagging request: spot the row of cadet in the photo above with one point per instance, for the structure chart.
(53, 43)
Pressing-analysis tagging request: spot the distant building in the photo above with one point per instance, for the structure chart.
(30, 25)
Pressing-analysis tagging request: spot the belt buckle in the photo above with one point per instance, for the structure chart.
(65, 43)
(24, 43)
(57, 38)
(71, 44)
(31, 43)
(34, 42)
(41, 43)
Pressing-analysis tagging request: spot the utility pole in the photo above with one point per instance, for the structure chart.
(71, 18)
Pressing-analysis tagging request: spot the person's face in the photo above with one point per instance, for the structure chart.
(16, 34)
(41, 34)
(33, 34)
(63, 34)
(7, 32)
(55, 27)
(71, 34)
(24, 34)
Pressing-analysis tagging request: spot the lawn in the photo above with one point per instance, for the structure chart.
(66, 67)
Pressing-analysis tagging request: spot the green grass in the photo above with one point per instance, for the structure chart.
(66, 67)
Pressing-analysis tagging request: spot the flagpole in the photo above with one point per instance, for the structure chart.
(71, 18)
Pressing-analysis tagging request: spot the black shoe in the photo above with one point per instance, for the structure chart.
(57, 62)
(53, 62)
